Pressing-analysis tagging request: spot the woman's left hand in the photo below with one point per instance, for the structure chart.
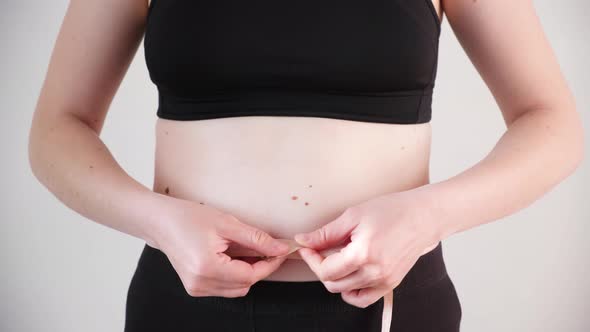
(387, 236)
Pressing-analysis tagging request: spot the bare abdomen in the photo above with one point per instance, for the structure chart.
(288, 175)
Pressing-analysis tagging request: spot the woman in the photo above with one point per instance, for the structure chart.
(281, 119)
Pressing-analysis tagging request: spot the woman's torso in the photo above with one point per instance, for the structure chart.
(287, 175)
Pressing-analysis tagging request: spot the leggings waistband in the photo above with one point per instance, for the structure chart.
(428, 269)
(270, 296)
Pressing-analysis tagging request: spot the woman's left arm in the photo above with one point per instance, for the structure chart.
(544, 140)
(542, 145)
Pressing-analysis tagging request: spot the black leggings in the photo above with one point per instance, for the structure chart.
(425, 301)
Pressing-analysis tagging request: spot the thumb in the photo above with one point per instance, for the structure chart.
(252, 237)
(330, 234)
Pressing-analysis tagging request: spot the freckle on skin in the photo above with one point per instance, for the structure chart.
(167, 191)
(310, 185)
(90, 166)
(166, 132)
(201, 203)
(403, 147)
(294, 197)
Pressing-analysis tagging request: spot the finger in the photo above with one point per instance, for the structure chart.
(367, 276)
(240, 272)
(231, 288)
(251, 237)
(263, 268)
(365, 296)
(342, 263)
(205, 286)
(312, 258)
(200, 283)
(330, 234)
(222, 283)
(231, 271)
(233, 292)
(235, 250)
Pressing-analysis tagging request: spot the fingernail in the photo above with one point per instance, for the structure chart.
(280, 246)
(302, 238)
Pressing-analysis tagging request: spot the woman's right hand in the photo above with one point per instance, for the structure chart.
(194, 238)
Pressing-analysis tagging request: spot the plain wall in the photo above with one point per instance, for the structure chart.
(62, 272)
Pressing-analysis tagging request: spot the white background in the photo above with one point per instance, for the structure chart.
(62, 272)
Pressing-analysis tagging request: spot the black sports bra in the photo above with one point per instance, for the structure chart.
(369, 60)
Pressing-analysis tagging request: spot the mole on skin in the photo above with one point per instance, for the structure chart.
(167, 191)
(295, 197)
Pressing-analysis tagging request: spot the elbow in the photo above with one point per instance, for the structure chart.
(576, 143)
(566, 124)
(37, 146)
(575, 129)
(579, 138)
(563, 127)
(41, 136)
(33, 152)
(580, 151)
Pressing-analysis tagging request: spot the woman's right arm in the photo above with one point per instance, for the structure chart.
(94, 48)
